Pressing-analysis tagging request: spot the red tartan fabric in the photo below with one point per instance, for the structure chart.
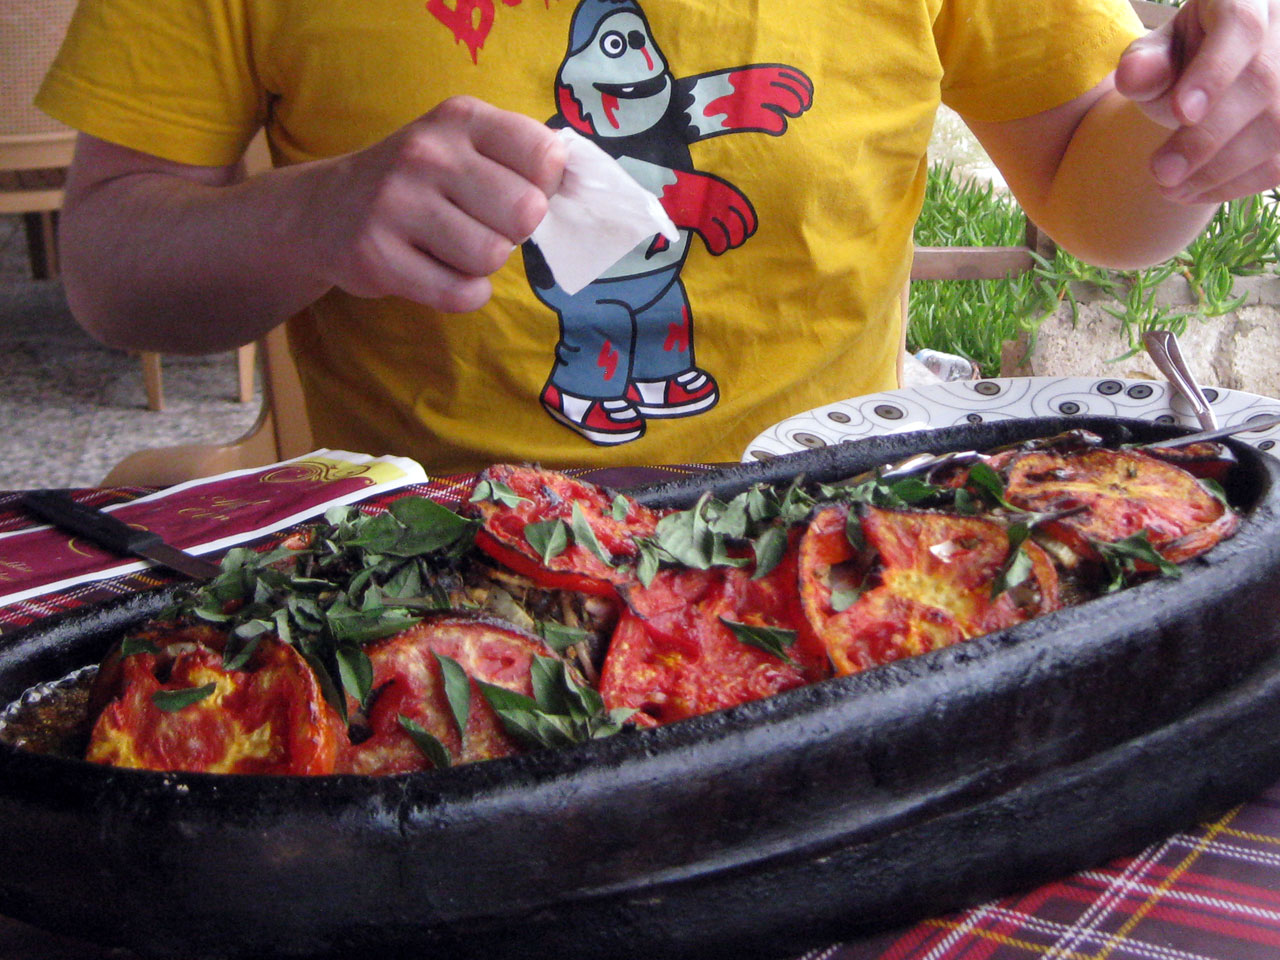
(1212, 893)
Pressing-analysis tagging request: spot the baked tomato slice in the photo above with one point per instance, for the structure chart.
(1120, 493)
(410, 693)
(1206, 461)
(916, 581)
(694, 641)
(560, 532)
(180, 708)
(953, 563)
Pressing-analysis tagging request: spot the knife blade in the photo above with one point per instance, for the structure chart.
(99, 527)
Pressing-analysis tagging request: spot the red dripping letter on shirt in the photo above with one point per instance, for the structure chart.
(468, 20)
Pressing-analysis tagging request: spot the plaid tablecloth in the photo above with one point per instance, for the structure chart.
(1210, 893)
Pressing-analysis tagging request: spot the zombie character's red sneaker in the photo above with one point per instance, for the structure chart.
(679, 396)
(605, 422)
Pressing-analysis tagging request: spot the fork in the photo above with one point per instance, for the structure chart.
(1163, 347)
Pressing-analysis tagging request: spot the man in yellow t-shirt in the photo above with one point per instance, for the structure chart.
(415, 150)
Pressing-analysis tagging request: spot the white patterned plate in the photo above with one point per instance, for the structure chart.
(975, 401)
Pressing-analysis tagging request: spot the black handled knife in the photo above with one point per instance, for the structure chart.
(97, 526)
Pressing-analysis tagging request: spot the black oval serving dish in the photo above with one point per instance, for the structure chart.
(832, 810)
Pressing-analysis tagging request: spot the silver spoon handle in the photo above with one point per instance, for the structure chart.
(1204, 436)
(1163, 347)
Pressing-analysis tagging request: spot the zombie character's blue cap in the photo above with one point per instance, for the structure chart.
(588, 16)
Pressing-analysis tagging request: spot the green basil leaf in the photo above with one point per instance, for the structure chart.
(522, 718)
(620, 508)
(559, 637)
(772, 640)
(131, 646)
(1215, 490)
(587, 697)
(171, 701)
(845, 596)
(355, 671)
(550, 690)
(769, 549)
(361, 626)
(426, 741)
(378, 533)
(537, 729)
(1017, 566)
(987, 481)
(253, 628)
(650, 561)
(328, 689)
(306, 613)
(1121, 558)
(498, 492)
(730, 519)
(795, 504)
(686, 536)
(283, 626)
(721, 557)
(564, 711)
(428, 527)
(457, 690)
(586, 537)
(236, 655)
(549, 538)
(913, 490)
(761, 506)
(211, 611)
(617, 717)
(965, 504)
(341, 514)
(500, 698)
(853, 531)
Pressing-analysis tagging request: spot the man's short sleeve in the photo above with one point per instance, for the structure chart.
(1006, 59)
(171, 78)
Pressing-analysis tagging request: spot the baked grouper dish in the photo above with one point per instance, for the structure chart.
(547, 610)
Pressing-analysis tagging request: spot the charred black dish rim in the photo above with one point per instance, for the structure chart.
(847, 806)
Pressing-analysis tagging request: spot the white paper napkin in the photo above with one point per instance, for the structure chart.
(597, 216)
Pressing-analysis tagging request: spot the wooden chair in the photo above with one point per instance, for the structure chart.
(282, 431)
(34, 149)
(153, 376)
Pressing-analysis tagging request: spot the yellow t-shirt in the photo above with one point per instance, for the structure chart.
(807, 122)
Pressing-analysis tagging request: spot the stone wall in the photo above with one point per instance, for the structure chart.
(1239, 350)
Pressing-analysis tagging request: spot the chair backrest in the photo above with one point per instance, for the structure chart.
(283, 396)
(281, 431)
(30, 33)
(34, 148)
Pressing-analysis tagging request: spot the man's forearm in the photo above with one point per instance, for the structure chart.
(165, 256)
(158, 262)
(1103, 204)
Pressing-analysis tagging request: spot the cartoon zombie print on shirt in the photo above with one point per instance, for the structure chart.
(626, 350)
